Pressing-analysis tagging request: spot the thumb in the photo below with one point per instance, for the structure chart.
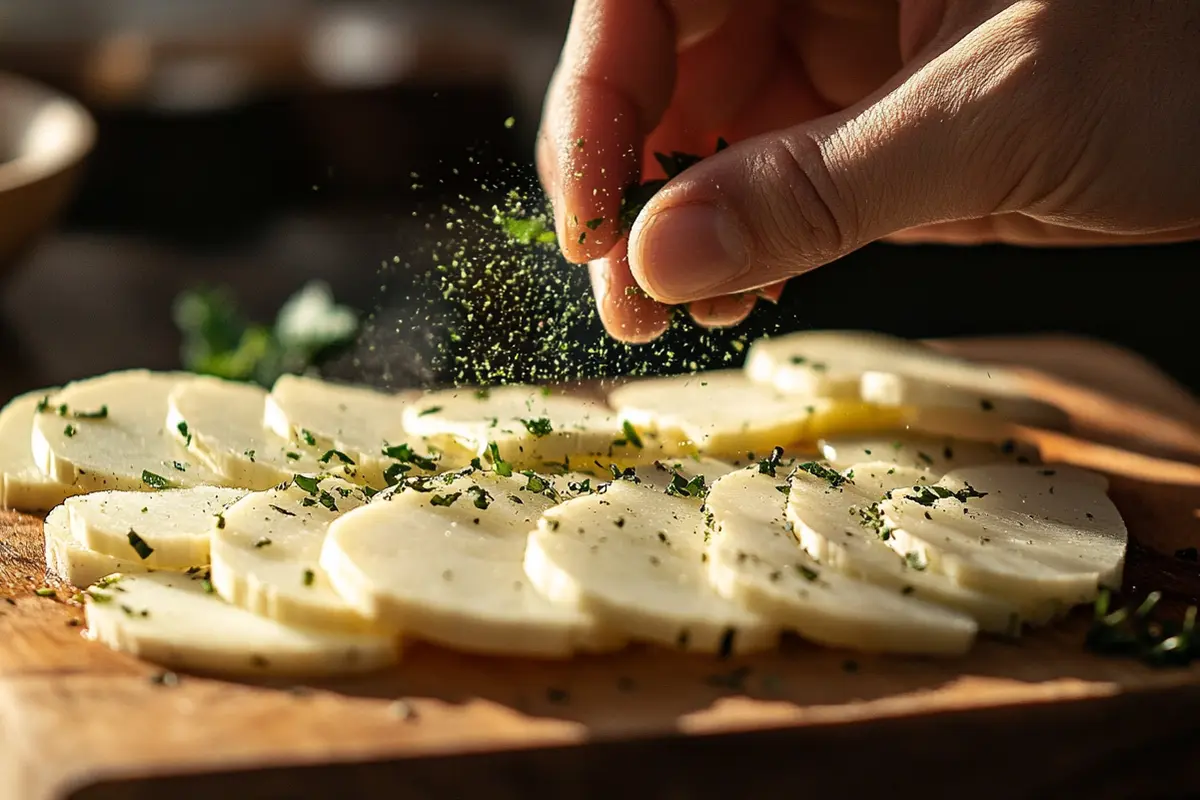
(946, 140)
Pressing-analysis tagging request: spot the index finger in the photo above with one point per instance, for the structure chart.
(610, 90)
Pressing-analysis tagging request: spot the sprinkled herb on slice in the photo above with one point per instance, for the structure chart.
(282, 510)
(100, 413)
(69, 431)
(43, 405)
(155, 481)
(430, 410)
(681, 487)
(834, 478)
(538, 427)
(593, 224)
(499, 465)
(307, 437)
(309, 577)
(326, 499)
(182, 427)
(406, 455)
(220, 521)
(263, 542)
(306, 483)
(479, 497)
(444, 500)
(44, 591)
(393, 474)
(292, 456)
(338, 454)
(139, 545)
(769, 464)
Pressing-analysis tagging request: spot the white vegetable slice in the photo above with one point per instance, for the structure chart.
(266, 554)
(22, 485)
(170, 619)
(74, 563)
(724, 413)
(634, 557)
(754, 559)
(1043, 537)
(352, 419)
(892, 372)
(824, 363)
(838, 523)
(932, 455)
(221, 423)
(443, 560)
(128, 448)
(530, 426)
(163, 530)
(970, 389)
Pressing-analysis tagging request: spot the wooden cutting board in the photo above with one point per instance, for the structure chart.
(1038, 718)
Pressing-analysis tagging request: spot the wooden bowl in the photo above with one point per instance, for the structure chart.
(44, 137)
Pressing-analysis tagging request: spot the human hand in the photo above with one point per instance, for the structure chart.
(1028, 122)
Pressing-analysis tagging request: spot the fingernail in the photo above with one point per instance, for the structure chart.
(687, 251)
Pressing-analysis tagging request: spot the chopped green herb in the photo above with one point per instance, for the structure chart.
(834, 478)
(431, 410)
(631, 435)
(44, 591)
(309, 577)
(282, 510)
(338, 454)
(292, 455)
(593, 224)
(220, 521)
(769, 464)
(307, 437)
(43, 404)
(681, 487)
(69, 431)
(479, 496)
(263, 542)
(393, 474)
(182, 427)
(406, 455)
(538, 427)
(444, 500)
(139, 545)
(155, 481)
(306, 483)
(499, 465)
(100, 413)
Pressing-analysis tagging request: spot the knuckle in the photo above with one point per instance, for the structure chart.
(811, 224)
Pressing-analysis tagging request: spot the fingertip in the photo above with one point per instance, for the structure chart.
(627, 313)
(722, 312)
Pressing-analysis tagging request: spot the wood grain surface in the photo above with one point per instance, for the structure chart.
(1039, 718)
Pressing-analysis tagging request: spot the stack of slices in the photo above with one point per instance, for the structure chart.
(311, 529)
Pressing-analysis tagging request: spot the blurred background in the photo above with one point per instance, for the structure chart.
(261, 144)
